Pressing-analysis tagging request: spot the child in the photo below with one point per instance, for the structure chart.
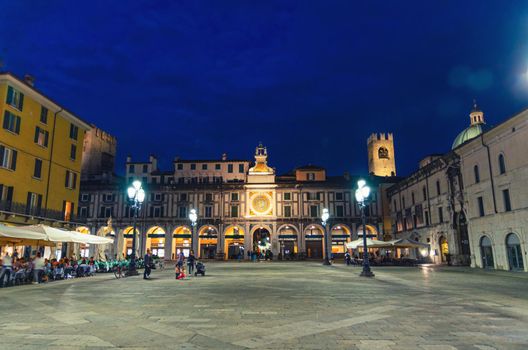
(180, 272)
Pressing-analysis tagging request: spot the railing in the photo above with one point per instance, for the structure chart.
(35, 212)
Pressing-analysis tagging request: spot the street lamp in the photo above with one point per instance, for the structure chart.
(136, 194)
(324, 218)
(193, 216)
(362, 196)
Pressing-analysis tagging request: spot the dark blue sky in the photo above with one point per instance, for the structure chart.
(310, 79)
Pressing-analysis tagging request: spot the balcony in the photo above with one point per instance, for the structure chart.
(8, 207)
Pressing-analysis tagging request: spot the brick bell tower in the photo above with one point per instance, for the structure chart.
(381, 160)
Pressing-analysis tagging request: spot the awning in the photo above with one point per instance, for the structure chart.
(57, 235)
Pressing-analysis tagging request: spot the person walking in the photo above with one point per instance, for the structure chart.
(148, 262)
(181, 260)
(38, 268)
(7, 267)
(190, 263)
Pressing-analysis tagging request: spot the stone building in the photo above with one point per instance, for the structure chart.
(242, 205)
(99, 151)
(470, 203)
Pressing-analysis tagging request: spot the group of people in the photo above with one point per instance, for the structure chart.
(179, 270)
(258, 255)
(17, 270)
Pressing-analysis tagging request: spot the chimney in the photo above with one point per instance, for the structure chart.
(224, 156)
(29, 80)
(346, 175)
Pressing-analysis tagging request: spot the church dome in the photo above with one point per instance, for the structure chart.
(477, 126)
(469, 133)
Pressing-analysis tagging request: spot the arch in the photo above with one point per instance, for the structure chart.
(476, 173)
(207, 241)
(383, 153)
(372, 232)
(514, 252)
(233, 241)
(181, 241)
(443, 245)
(340, 235)
(156, 241)
(502, 164)
(314, 239)
(84, 249)
(128, 240)
(486, 252)
(289, 239)
(261, 240)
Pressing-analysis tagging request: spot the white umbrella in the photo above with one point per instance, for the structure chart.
(408, 243)
(371, 243)
(57, 235)
(22, 236)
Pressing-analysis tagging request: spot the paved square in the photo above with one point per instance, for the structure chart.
(273, 306)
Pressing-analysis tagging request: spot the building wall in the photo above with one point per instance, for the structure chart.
(99, 151)
(507, 139)
(56, 160)
(381, 155)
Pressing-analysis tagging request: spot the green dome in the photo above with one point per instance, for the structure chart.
(469, 133)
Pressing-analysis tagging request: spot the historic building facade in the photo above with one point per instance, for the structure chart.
(41, 147)
(242, 206)
(470, 203)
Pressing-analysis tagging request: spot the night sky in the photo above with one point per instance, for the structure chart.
(310, 79)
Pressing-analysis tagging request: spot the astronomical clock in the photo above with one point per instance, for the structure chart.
(261, 203)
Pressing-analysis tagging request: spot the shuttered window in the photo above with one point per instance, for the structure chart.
(11, 122)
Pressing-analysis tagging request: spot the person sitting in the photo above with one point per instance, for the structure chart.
(180, 272)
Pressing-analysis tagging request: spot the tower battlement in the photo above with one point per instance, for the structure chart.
(381, 154)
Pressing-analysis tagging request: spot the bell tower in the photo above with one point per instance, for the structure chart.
(381, 160)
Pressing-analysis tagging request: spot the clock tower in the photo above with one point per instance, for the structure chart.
(260, 188)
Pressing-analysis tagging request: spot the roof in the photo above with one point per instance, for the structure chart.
(211, 161)
(469, 133)
(310, 167)
(69, 114)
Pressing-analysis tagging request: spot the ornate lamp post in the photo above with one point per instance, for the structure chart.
(193, 216)
(136, 194)
(362, 197)
(324, 218)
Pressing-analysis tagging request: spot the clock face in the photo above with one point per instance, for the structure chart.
(261, 204)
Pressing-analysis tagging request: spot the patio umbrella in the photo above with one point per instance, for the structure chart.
(371, 243)
(18, 235)
(408, 243)
(57, 235)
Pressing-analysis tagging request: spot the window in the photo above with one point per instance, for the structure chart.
(217, 167)
(85, 197)
(476, 173)
(37, 171)
(440, 214)
(313, 196)
(424, 193)
(383, 153)
(83, 212)
(287, 196)
(157, 197)
(182, 212)
(506, 198)
(208, 212)
(230, 168)
(179, 166)
(241, 168)
(106, 212)
(313, 211)
(426, 218)
(234, 211)
(412, 198)
(71, 180)
(131, 168)
(15, 98)
(145, 168)
(6, 196)
(33, 203)
(502, 164)
(183, 196)
(73, 152)
(208, 197)
(41, 137)
(438, 187)
(156, 212)
(480, 203)
(403, 203)
(8, 158)
(204, 166)
(394, 206)
(339, 196)
(287, 211)
(193, 166)
(310, 176)
(339, 211)
(43, 115)
(11, 122)
(74, 132)
(234, 196)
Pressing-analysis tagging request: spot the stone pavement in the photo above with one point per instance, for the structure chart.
(291, 305)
